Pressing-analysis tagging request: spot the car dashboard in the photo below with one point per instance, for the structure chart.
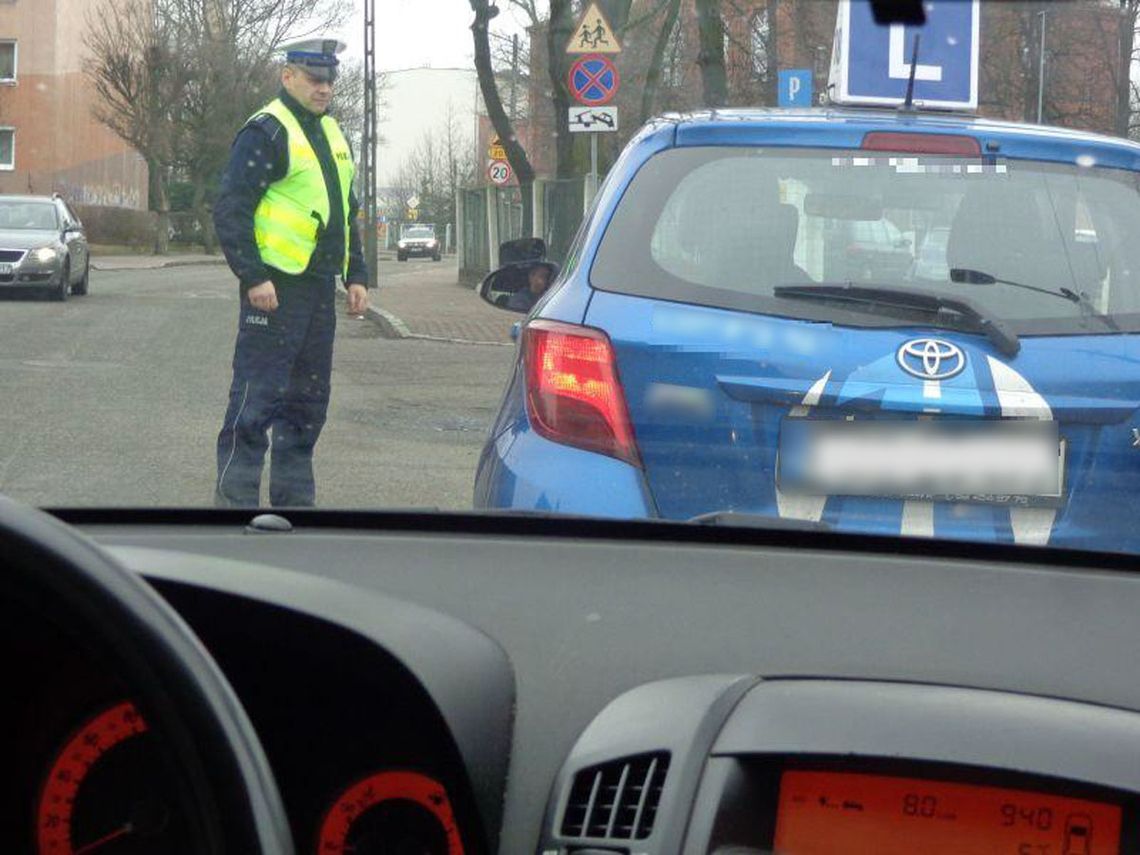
(449, 684)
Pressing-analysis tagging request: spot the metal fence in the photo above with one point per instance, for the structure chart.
(490, 216)
(563, 203)
(475, 244)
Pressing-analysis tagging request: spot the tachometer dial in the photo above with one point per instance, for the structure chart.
(106, 792)
(391, 813)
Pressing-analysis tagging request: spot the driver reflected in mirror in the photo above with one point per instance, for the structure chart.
(518, 285)
(538, 280)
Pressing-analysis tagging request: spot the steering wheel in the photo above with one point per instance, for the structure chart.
(230, 797)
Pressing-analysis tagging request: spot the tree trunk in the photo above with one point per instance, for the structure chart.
(616, 12)
(516, 154)
(565, 212)
(653, 73)
(202, 215)
(772, 84)
(557, 36)
(160, 204)
(714, 80)
(1128, 13)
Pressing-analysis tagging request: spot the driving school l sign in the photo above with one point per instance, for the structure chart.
(871, 64)
(593, 80)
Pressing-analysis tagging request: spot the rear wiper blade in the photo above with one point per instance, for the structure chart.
(739, 519)
(932, 302)
(978, 277)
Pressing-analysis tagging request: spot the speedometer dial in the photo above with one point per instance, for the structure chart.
(106, 792)
(391, 813)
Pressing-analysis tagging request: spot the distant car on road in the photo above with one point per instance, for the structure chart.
(418, 242)
(43, 246)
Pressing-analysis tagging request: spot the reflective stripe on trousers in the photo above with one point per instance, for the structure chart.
(280, 392)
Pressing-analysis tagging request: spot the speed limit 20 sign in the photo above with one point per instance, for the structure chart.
(499, 171)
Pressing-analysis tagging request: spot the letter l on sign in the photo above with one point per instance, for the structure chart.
(899, 68)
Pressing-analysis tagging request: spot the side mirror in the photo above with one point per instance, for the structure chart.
(500, 286)
(517, 287)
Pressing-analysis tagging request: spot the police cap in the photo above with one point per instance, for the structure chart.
(316, 56)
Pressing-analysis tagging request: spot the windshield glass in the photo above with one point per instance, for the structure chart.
(39, 216)
(618, 259)
(701, 222)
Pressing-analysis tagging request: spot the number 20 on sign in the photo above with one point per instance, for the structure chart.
(499, 171)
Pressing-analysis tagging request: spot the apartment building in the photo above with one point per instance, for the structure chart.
(49, 139)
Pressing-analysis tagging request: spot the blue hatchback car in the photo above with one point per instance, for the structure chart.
(710, 352)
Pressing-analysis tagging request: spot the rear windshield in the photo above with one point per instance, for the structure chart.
(725, 226)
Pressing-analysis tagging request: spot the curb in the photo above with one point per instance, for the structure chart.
(96, 264)
(392, 327)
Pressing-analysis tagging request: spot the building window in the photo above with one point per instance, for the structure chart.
(7, 62)
(7, 148)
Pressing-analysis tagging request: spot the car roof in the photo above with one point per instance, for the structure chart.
(14, 198)
(831, 127)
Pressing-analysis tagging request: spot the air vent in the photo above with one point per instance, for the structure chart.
(616, 800)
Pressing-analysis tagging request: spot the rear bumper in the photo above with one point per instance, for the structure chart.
(519, 470)
(418, 252)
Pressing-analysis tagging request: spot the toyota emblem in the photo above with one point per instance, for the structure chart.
(931, 359)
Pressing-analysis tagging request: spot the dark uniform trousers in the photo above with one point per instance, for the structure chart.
(282, 367)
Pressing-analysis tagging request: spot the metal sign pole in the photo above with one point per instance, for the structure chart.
(593, 167)
(369, 153)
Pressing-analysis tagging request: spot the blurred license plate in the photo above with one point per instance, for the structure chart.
(6, 268)
(1008, 462)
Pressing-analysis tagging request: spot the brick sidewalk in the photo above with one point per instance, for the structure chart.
(424, 300)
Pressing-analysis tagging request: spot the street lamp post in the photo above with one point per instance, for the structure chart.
(1041, 69)
(368, 156)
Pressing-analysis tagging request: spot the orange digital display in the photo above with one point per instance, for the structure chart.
(821, 813)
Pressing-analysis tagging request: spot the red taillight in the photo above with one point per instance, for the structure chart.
(922, 143)
(573, 395)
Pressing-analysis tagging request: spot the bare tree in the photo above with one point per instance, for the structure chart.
(657, 58)
(178, 78)
(710, 58)
(234, 46)
(442, 161)
(348, 103)
(141, 70)
(504, 128)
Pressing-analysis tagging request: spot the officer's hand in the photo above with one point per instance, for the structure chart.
(357, 299)
(263, 296)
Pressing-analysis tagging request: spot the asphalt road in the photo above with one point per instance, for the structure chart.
(115, 399)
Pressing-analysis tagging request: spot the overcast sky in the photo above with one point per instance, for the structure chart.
(419, 33)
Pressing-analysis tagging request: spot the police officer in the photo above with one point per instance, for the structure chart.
(284, 218)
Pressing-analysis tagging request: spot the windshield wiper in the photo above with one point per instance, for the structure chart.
(946, 308)
(977, 277)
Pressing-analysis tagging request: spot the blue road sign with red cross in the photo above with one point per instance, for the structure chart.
(593, 80)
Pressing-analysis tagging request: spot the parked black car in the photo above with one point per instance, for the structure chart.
(43, 246)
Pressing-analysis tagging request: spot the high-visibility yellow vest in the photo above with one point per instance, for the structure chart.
(286, 222)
